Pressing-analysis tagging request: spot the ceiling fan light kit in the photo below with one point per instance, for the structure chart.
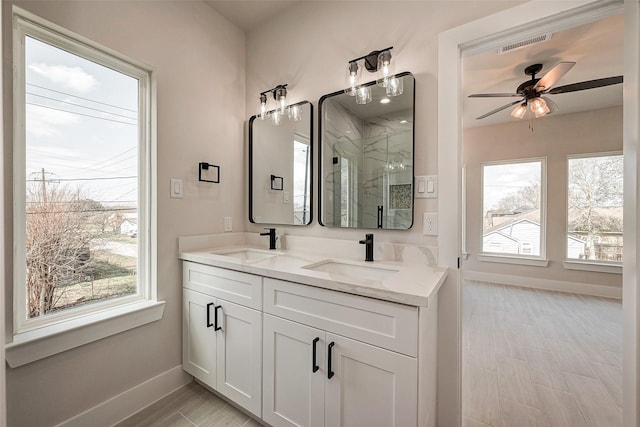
(531, 91)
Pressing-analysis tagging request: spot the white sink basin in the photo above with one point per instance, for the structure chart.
(355, 271)
(246, 254)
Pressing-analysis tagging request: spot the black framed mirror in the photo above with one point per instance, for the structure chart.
(366, 156)
(281, 167)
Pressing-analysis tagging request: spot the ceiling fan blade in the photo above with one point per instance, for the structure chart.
(500, 109)
(553, 75)
(494, 95)
(589, 84)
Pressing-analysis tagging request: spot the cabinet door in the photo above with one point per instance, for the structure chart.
(293, 392)
(240, 355)
(370, 386)
(199, 337)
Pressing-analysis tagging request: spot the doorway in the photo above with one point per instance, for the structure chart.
(483, 33)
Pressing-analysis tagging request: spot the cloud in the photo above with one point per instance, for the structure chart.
(66, 77)
(42, 121)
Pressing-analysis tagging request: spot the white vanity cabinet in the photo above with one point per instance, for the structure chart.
(301, 355)
(222, 332)
(314, 376)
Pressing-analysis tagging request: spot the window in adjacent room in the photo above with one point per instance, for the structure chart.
(595, 208)
(513, 208)
(82, 164)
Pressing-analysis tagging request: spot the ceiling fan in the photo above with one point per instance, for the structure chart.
(532, 92)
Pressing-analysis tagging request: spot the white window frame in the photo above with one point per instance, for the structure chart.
(532, 260)
(614, 267)
(32, 338)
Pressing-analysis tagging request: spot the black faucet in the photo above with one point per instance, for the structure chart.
(272, 237)
(368, 242)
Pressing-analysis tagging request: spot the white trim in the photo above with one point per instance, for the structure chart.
(130, 401)
(600, 267)
(43, 342)
(26, 23)
(507, 259)
(546, 284)
(631, 233)
(520, 21)
(3, 387)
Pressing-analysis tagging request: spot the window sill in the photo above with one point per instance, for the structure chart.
(536, 262)
(43, 342)
(600, 267)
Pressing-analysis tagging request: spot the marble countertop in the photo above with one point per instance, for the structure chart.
(403, 276)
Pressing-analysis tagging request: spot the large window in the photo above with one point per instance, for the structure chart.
(513, 208)
(595, 208)
(82, 198)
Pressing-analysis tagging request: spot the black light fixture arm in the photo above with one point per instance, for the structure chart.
(274, 90)
(371, 59)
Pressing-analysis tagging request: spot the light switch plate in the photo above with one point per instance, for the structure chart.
(176, 189)
(426, 187)
(430, 224)
(285, 197)
(228, 224)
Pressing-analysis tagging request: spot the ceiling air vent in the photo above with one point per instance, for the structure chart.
(523, 43)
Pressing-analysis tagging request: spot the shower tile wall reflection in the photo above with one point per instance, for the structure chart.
(367, 162)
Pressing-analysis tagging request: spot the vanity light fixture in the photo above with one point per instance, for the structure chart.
(280, 96)
(375, 61)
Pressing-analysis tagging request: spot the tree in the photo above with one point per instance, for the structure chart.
(525, 199)
(57, 243)
(595, 186)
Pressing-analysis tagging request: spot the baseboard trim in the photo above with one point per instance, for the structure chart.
(127, 403)
(550, 285)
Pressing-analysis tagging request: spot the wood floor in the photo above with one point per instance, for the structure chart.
(190, 406)
(540, 358)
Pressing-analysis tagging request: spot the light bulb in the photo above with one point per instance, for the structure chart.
(539, 107)
(395, 86)
(353, 72)
(385, 68)
(519, 111)
(280, 95)
(363, 95)
(262, 106)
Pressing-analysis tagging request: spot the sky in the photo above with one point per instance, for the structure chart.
(81, 125)
(502, 180)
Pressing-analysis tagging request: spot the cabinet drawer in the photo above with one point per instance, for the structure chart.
(384, 324)
(241, 288)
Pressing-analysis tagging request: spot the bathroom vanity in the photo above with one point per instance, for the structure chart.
(297, 337)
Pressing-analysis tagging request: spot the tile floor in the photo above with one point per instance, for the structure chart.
(540, 358)
(190, 406)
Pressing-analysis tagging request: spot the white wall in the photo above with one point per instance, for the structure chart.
(200, 63)
(309, 48)
(554, 137)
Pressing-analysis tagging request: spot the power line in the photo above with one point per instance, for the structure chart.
(86, 99)
(80, 114)
(84, 201)
(85, 179)
(83, 211)
(81, 106)
(108, 160)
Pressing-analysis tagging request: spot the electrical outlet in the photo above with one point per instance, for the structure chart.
(228, 224)
(430, 224)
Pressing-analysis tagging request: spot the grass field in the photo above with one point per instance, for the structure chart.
(111, 275)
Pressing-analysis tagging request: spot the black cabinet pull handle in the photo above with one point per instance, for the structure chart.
(314, 365)
(215, 318)
(330, 373)
(209, 324)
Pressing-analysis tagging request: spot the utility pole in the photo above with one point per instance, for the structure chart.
(44, 188)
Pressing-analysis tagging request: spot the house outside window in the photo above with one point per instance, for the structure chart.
(513, 208)
(595, 205)
(83, 188)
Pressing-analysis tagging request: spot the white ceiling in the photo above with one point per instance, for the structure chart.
(597, 49)
(248, 14)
